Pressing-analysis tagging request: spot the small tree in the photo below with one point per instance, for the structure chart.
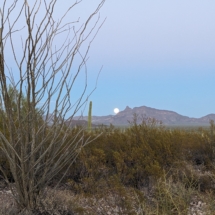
(37, 150)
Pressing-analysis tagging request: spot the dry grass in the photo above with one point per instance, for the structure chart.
(117, 178)
(165, 198)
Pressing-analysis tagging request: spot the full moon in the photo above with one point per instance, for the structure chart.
(116, 110)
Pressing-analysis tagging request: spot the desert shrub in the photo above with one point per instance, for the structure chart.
(134, 154)
(197, 148)
(139, 155)
(111, 197)
(172, 198)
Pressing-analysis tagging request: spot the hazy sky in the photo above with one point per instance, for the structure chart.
(159, 54)
(156, 53)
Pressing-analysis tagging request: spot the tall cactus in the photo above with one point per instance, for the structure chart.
(90, 117)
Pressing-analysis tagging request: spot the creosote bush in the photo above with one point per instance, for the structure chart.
(145, 167)
(139, 155)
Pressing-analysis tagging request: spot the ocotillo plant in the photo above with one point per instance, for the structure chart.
(90, 117)
(37, 145)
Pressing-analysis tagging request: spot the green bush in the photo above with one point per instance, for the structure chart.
(137, 154)
(134, 154)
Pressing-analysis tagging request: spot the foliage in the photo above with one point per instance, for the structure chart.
(144, 156)
(139, 155)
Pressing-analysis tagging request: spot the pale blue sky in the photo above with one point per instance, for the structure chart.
(156, 53)
(160, 54)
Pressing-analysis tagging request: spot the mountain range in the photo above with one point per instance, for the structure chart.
(169, 118)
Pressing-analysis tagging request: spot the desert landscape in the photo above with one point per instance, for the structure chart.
(107, 107)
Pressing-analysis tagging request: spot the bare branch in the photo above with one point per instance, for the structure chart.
(36, 137)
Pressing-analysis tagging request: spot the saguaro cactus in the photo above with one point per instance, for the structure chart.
(90, 117)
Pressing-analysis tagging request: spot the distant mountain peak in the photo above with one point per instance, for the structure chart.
(166, 116)
(127, 108)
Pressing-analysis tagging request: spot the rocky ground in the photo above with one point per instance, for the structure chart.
(8, 206)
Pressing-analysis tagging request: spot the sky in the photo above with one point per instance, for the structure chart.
(159, 54)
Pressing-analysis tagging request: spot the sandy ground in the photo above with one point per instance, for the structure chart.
(7, 203)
